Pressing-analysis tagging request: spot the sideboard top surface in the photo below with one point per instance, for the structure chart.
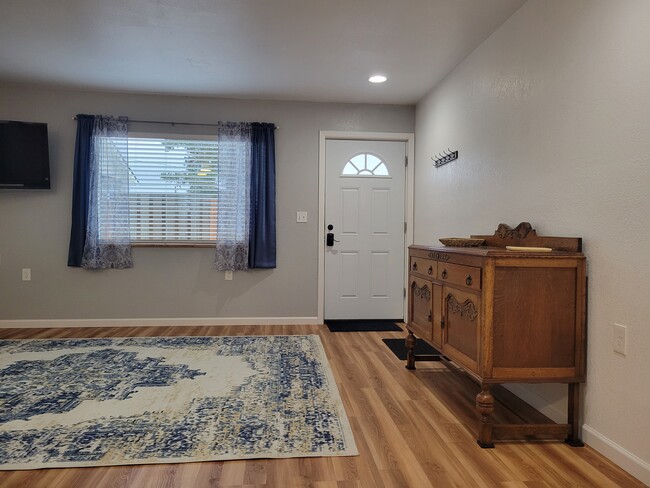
(490, 251)
(521, 236)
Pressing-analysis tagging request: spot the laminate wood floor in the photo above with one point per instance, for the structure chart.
(413, 429)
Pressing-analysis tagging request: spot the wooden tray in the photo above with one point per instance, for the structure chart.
(528, 249)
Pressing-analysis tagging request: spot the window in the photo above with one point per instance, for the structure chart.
(212, 190)
(173, 189)
(365, 164)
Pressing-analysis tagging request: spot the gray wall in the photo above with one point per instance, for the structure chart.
(168, 282)
(551, 119)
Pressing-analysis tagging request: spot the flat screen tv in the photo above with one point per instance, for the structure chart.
(24, 155)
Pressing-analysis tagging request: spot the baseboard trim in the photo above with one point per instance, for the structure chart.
(148, 322)
(628, 461)
(617, 454)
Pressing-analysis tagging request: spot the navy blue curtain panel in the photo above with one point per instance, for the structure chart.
(80, 189)
(261, 252)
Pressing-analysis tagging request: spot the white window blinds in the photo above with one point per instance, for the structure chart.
(173, 189)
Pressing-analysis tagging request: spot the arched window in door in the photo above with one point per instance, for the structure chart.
(365, 164)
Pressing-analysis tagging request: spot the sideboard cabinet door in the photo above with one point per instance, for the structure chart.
(461, 321)
(421, 316)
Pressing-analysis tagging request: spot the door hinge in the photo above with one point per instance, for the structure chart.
(404, 227)
(404, 292)
(406, 160)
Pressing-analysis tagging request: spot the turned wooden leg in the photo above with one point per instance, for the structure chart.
(573, 438)
(410, 355)
(485, 406)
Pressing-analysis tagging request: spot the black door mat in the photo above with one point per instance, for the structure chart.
(422, 350)
(362, 325)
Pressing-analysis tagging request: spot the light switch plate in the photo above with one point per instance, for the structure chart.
(27, 274)
(620, 339)
(228, 275)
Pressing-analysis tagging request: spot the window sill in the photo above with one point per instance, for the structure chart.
(174, 244)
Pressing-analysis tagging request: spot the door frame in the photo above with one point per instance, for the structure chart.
(409, 140)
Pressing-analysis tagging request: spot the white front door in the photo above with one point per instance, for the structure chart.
(364, 205)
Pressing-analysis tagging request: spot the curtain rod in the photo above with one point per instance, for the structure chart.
(168, 123)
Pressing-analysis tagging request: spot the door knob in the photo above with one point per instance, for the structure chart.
(329, 238)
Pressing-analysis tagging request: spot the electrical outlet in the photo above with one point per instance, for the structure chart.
(27, 274)
(228, 275)
(620, 339)
(301, 217)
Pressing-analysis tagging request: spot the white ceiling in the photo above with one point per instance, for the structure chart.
(269, 49)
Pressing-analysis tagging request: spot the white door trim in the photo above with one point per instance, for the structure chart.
(326, 135)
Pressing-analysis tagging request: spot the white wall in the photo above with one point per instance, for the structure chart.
(168, 283)
(551, 116)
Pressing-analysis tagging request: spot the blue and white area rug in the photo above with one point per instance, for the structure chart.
(102, 402)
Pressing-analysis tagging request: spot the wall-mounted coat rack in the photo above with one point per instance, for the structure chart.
(446, 157)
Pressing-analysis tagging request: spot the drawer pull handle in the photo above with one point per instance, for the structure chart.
(429, 317)
(442, 322)
(430, 270)
(444, 274)
(468, 280)
(414, 267)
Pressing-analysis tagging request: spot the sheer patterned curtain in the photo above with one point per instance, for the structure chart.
(233, 187)
(100, 229)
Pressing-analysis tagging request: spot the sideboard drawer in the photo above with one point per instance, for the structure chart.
(459, 274)
(424, 267)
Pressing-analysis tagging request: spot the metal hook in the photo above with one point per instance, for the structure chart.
(447, 156)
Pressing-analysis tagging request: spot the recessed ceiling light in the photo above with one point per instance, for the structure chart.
(377, 79)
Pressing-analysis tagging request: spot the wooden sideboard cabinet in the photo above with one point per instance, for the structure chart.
(504, 316)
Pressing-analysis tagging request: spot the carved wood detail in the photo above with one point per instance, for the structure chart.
(423, 292)
(504, 231)
(466, 308)
(439, 256)
(485, 406)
